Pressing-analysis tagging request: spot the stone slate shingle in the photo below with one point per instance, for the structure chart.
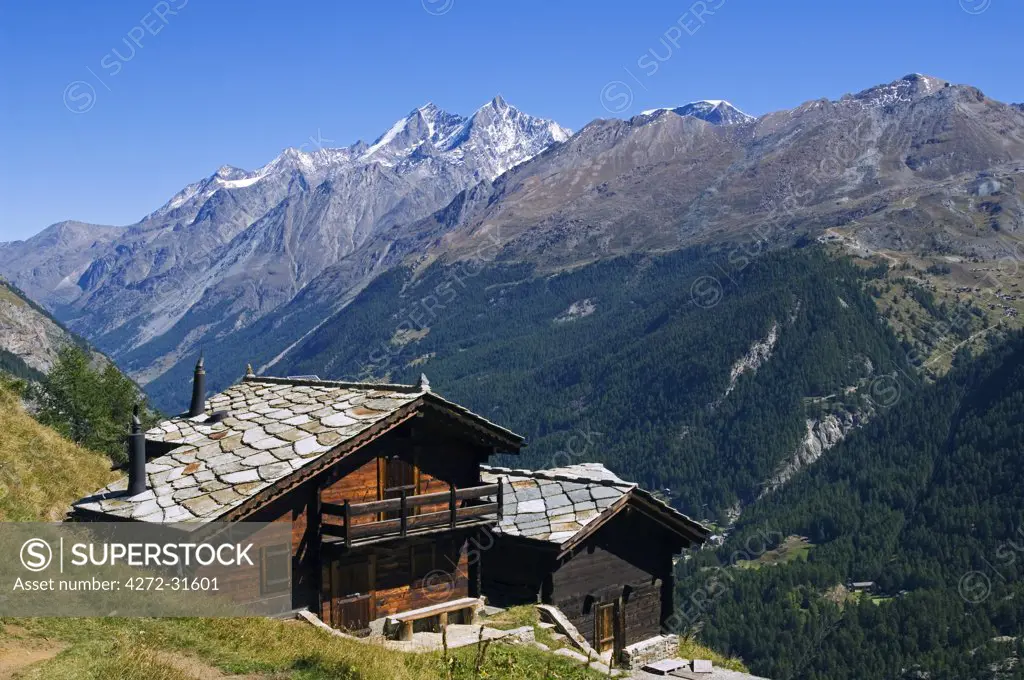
(270, 430)
(555, 505)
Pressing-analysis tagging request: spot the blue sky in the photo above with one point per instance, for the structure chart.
(107, 109)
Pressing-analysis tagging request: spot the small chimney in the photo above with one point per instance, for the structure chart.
(198, 390)
(136, 456)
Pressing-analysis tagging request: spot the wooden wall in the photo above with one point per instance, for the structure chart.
(440, 462)
(513, 571)
(395, 588)
(442, 457)
(630, 550)
(296, 507)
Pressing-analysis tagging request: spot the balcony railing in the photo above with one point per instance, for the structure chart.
(408, 518)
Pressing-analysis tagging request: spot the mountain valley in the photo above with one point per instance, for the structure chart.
(802, 328)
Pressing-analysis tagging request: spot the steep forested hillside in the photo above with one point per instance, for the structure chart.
(671, 369)
(927, 502)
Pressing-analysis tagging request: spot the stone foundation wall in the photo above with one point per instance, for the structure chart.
(651, 649)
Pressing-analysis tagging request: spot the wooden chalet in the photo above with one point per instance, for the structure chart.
(596, 547)
(381, 484)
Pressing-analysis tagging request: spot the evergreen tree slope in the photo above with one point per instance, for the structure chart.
(926, 501)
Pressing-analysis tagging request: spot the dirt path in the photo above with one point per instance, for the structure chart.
(17, 655)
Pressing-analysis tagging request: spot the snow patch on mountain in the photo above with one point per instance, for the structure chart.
(906, 89)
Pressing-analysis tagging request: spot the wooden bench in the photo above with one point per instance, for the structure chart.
(403, 621)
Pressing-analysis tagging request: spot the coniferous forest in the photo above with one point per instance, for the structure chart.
(925, 501)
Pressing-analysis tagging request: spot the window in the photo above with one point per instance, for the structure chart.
(275, 569)
(422, 557)
(395, 476)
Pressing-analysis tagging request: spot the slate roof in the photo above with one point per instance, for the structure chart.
(555, 505)
(271, 428)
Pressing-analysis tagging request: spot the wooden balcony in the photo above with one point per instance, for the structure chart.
(398, 517)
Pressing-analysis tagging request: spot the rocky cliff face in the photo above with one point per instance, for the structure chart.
(29, 333)
(822, 434)
(759, 353)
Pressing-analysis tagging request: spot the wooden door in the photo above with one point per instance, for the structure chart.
(349, 588)
(604, 627)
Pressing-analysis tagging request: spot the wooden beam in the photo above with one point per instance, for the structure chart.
(348, 524)
(452, 504)
(403, 514)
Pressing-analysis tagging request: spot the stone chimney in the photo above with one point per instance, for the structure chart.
(136, 456)
(198, 390)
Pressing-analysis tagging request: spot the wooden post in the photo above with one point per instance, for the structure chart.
(317, 548)
(452, 505)
(348, 524)
(403, 514)
(501, 503)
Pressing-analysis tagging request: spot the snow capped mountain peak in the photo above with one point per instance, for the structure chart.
(495, 138)
(498, 136)
(715, 111)
(498, 103)
(229, 172)
(428, 123)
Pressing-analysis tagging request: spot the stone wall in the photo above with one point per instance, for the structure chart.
(651, 649)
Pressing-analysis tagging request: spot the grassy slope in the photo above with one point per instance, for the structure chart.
(178, 649)
(41, 472)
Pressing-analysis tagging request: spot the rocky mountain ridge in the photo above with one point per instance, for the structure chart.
(262, 258)
(230, 248)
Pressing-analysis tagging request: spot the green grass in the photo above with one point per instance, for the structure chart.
(792, 549)
(514, 617)
(691, 649)
(172, 649)
(524, 615)
(40, 471)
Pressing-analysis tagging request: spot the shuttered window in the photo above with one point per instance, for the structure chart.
(275, 569)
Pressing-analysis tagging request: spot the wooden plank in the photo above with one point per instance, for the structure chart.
(403, 514)
(437, 609)
(335, 509)
(478, 511)
(374, 507)
(393, 504)
(333, 529)
(474, 492)
(348, 524)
